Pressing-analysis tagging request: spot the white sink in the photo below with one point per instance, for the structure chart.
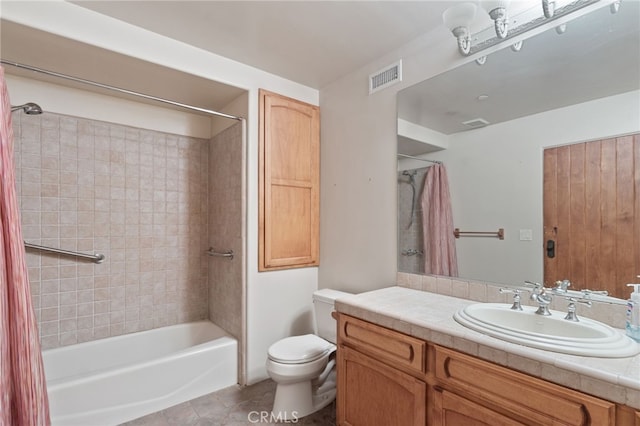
(553, 333)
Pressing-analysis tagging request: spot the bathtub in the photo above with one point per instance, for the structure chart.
(117, 379)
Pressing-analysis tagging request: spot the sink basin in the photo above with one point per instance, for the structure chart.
(553, 333)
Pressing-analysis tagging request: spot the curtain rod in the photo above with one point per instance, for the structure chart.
(419, 159)
(118, 89)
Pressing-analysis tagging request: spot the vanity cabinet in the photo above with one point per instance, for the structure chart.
(388, 378)
(373, 393)
(380, 376)
(451, 409)
(520, 397)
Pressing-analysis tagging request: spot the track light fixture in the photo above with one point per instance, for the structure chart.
(460, 17)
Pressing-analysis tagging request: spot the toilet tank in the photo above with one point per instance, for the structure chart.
(323, 306)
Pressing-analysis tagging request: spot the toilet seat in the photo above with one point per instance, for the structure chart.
(300, 349)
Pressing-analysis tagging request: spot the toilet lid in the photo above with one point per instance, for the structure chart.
(299, 349)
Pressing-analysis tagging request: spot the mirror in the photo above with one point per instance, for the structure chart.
(490, 124)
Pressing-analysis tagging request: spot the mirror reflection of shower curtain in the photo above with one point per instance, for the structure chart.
(24, 398)
(437, 220)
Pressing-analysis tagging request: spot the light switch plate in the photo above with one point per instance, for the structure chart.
(526, 235)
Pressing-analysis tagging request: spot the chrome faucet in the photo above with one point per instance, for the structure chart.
(517, 306)
(571, 309)
(543, 296)
(539, 295)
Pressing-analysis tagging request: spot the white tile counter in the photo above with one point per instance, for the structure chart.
(429, 316)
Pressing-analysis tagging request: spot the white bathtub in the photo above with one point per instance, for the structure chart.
(114, 380)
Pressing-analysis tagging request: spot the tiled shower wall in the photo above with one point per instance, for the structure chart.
(225, 224)
(410, 245)
(226, 218)
(137, 196)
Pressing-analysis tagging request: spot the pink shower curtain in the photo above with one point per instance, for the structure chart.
(23, 392)
(437, 224)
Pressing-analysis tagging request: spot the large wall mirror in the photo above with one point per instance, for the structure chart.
(490, 125)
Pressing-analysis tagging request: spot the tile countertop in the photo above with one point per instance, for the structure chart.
(429, 316)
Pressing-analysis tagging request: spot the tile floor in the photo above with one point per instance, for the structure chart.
(233, 406)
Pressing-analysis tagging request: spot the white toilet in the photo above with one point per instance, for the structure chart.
(303, 366)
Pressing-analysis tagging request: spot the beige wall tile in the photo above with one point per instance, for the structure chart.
(97, 187)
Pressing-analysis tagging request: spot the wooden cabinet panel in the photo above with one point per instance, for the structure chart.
(450, 409)
(627, 416)
(533, 401)
(371, 393)
(401, 351)
(289, 183)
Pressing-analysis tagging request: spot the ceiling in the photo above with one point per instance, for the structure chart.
(317, 42)
(310, 42)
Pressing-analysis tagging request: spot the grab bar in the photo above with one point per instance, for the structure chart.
(212, 252)
(95, 258)
(499, 234)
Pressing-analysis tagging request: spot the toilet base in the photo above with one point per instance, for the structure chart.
(297, 400)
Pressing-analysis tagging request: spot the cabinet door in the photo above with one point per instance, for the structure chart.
(627, 416)
(531, 400)
(371, 393)
(450, 409)
(289, 183)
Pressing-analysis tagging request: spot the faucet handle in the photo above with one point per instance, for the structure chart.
(536, 286)
(516, 297)
(587, 292)
(504, 290)
(571, 309)
(562, 286)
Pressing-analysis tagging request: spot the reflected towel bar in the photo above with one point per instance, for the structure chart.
(212, 252)
(458, 233)
(95, 258)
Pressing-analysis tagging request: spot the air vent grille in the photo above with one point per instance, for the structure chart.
(385, 77)
(476, 122)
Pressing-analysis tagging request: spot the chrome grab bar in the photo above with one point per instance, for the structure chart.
(212, 252)
(95, 258)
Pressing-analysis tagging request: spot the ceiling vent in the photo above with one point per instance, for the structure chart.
(476, 123)
(385, 77)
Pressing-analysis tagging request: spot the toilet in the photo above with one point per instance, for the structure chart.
(303, 366)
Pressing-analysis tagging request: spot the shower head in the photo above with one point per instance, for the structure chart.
(28, 108)
(411, 174)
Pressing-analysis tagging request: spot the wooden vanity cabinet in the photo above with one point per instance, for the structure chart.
(451, 409)
(517, 396)
(379, 376)
(626, 416)
(376, 394)
(388, 378)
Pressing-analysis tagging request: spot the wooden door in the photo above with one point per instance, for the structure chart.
(592, 214)
(371, 393)
(289, 183)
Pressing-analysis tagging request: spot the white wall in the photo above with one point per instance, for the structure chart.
(358, 230)
(275, 300)
(495, 175)
(82, 103)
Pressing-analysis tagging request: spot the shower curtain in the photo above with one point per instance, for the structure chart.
(23, 395)
(437, 224)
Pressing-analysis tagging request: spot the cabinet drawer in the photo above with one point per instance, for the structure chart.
(534, 400)
(397, 349)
